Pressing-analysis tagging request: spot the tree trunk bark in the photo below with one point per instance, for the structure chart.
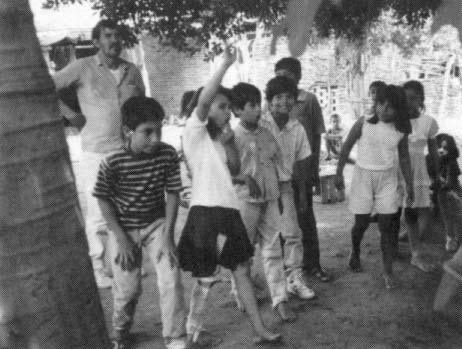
(48, 296)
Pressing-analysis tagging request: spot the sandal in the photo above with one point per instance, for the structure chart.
(320, 274)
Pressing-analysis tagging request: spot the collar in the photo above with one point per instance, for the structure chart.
(247, 131)
(123, 64)
(268, 120)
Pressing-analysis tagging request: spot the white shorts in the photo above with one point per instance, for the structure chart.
(374, 189)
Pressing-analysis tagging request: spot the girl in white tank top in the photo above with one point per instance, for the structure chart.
(375, 180)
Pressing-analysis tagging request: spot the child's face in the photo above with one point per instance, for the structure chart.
(414, 102)
(443, 148)
(335, 121)
(287, 74)
(220, 110)
(145, 138)
(373, 94)
(385, 112)
(251, 113)
(281, 104)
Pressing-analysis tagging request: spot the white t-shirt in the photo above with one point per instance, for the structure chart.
(116, 74)
(211, 180)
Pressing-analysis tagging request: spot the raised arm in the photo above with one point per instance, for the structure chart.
(211, 87)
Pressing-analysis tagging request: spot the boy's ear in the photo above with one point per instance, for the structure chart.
(126, 131)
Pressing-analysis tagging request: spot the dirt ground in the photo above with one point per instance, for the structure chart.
(354, 310)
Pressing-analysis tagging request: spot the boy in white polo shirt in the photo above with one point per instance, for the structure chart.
(281, 94)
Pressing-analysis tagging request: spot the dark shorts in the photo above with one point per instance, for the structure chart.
(197, 248)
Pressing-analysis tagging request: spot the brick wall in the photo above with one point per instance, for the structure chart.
(172, 73)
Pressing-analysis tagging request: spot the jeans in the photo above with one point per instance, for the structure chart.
(127, 284)
(261, 221)
(307, 222)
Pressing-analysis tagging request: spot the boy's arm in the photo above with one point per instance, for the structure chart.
(405, 164)
(168, 242)
(211, 87)
(353, 136)
(126, 252)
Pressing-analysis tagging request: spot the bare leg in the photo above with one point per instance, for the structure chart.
(247, 295)
(357, 233)
(386, 226)
(416, 219)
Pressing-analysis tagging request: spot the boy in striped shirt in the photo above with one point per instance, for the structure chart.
(138, 192)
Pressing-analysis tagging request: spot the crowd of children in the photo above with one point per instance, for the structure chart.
(254, 185)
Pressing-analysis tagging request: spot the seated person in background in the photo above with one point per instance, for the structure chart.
(334, 137)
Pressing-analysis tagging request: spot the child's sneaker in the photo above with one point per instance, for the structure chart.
(296, 285)
(451, 244)
(176, 343)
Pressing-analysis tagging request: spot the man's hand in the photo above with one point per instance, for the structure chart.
(254, 189)
(127, 253)
(168, 249)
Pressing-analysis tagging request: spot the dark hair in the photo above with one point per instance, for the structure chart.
(139, 109)
(212, 128)
(396, 98)
(417, 87)
(244, 93)
(280, 84)
(291, 64)
(453, 151)
(185, 101)
(377, 84)
(104, 23)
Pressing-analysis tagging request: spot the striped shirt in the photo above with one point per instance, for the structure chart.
(136, 184)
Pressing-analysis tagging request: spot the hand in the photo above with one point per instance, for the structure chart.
(254, 189)
(168, 249)
(127, 253)
(339, 182)
(227, 135)
(229, 55)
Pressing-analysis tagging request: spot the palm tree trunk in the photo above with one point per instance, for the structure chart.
(48, 297)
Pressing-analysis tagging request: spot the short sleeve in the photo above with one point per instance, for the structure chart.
(69, 75)
(302, 147)
(195, 130)
(173, 175)
(433, 129)
(104, 181)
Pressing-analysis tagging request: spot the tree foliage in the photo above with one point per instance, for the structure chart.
(190, 24)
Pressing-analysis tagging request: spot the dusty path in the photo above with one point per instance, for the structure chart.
(352, 311)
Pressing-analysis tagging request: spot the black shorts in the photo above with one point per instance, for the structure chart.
(197, 248)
